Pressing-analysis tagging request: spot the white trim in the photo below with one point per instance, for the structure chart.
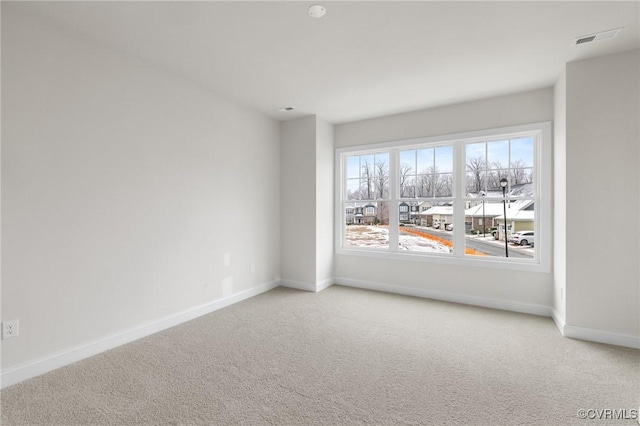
(324, 284)
(304, 286)
(559, 320)
(68, 356)
(505, 305)
(443, 258)
(569, 331)
(590, 334)
(298, 285)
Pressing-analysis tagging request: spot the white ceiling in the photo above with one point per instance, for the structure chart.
(363, 59)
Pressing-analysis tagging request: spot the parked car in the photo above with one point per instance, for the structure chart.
(448, 227)
(522, 238)
(436, 224)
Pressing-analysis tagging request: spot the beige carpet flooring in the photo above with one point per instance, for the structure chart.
(340, 357)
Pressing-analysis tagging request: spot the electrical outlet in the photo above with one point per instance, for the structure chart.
(9, 329)
(253, 268)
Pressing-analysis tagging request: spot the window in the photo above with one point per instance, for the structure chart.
(463, 198)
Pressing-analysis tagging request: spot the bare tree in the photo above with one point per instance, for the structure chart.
(405, 174)
(520, 171)
(476, 166)
(381, 178)
(497, 172)
(383, 213)
(367, 176)
(381, 183)
(443, 184)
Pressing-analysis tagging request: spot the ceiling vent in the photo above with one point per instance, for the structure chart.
(604, 35)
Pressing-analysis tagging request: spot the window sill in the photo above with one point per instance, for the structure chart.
(451, 259)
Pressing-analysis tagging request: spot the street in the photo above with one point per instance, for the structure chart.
(489, 246)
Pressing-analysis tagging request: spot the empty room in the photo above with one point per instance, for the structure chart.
(292, 212)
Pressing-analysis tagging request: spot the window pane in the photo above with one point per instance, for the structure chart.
(381, 176)
(476, 181)
(367, 225)
(408, 159)
(522, 151)
(425, 161)
(493, 179)
(476, 166)
(444, 159)
(424, 186)
(489, 240)
(522, 161)
(367, 174)
(353, 189)
(521, 176)
(353, 166)
(407, 186)
(498, 155)
(443, 184)
(425, 228)
(407, 172)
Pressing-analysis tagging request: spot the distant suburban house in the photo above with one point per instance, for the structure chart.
(360, 215)
(520, 213)
(440, 215)
(410, 212)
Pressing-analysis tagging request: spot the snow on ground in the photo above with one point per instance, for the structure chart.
(378, 237)
(367, 236)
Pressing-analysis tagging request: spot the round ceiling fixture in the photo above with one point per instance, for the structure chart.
(317, 11)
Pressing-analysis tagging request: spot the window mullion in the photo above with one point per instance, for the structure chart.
(459, 173)
(394, 204)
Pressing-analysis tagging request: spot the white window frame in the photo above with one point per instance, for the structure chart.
(542, 193)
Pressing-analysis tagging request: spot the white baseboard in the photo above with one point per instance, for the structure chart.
(559, 320)
(299, 285)
(505, 305)
(324, 284)
(566, 330)
(59, 359)
(592, 335)
(600, 336)
(54, 361)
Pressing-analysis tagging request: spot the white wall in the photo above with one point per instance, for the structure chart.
(472, 283)
(502, 111)
(602, 190)
(298, 188)
(307, 203)
(559, 199)
(128, 194)
(324, 201)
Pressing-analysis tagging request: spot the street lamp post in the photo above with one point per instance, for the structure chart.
(484, 225)
(503, 183)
